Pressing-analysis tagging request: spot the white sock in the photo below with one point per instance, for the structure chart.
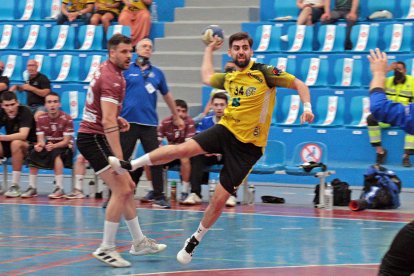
(141, 161)
(110, 229)
(186, 186)
(59, 180)
(135, 229)
(16, 177)
(201, 231)
(33, 180)
(78, 182)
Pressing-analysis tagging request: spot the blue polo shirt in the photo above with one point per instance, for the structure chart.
(206, 123)
(140, 103)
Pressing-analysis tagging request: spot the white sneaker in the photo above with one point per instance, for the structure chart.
(185, 255)
(284, 38)
(231, 201)
(110, 257)
(147, 246)
(192, 199)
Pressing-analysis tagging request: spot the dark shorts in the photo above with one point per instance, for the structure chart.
(95, 149)
(6, 148)
(239, 157)
(104, 12)
(316, 14)
(46, 159)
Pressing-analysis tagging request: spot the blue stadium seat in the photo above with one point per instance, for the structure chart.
(66, 68)
(407, 8)
(267, 38)
(290, 112)
(398, 37)
(114, 29)
(34, 37)
(90, 37)
(62, 37)
(359, 111)
(21, 97)
(285, 10)
(13, 67)
(329, 112)
(51, 9)
(331, 38)
(305, 152)
(409, 62)
(273, 159)
(287, 64)
(92, 62)
(7, 11)
(29, 9)
(347, 72)
(73, 103)
(300, 38)
(364, 37)
(314, 71)
(9, 37)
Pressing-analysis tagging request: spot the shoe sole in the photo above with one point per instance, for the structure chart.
(56, 197)
(110, 264)
(22, 196)
(160, 206)
(151, 253)
(10, 196)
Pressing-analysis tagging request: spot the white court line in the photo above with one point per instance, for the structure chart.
(291, 228)
(172, 230)
(251, 229)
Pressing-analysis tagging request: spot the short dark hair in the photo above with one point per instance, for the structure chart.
(181, 103)
(401, 63)
(220, 95)
(240, 36)
(8, 96)
(117, 39)
(53, 94)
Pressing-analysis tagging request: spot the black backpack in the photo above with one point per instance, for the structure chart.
(341, 193)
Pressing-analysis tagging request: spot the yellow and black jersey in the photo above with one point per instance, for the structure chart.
(110, 2)
(252, 99)
(136, 5)
(402, 92)
(77, 5)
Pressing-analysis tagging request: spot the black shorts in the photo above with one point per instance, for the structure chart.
(101, 12)
(6, 148)
(95, 149)
(46, 159)
(316, 14)
(239, 157)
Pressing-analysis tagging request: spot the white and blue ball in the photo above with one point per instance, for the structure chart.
(210, 31)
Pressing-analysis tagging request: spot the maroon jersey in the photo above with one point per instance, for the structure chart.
(54, 129)
(172, 133)
(108, 84)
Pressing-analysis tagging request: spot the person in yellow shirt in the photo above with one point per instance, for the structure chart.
(242, 132)
(400, 89)
(136, 15)
(105, 12)
(75, 9)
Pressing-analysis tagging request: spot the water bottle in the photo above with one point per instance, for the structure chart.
(173, 194)
(328, 196)
(212, 187)
(154, 12)
(250, 194)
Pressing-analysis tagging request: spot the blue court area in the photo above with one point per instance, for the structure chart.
(57, 240)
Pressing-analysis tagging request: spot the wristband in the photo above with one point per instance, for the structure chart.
(307, 107)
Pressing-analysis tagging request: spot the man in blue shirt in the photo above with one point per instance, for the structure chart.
(143, 82)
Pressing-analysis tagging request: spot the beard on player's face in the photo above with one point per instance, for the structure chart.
(242, 63)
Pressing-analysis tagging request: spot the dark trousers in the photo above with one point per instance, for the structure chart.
(199, 164)
(61, 19)
(338, 14)
(149, 140)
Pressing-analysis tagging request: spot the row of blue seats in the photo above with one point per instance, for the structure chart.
(396, 38)
(401, 9)
(57, 37)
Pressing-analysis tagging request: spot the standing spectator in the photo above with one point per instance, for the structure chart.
(143, 82)
(310, 11)
(400, 89)
(98, 138)
(4, 80)
(54, 130)
(136, 15)
(75, 9)
(37, 87)
(346, 9)
(200, 162)
(20, 131)
(105, 12)
(176, 136)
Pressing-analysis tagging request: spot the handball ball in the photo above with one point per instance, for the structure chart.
(210, 31)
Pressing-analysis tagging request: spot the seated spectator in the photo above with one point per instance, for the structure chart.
(75, 9)
(105, 12)
(346, 9)
(175, 136)
(310, 11)
(4, 80)
(136, 14)
(37, 87)
(80, 171)
(201, 162)
(20, 132)
(54, 130)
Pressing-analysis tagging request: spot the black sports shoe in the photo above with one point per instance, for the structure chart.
(406, 161)
(381, 157)
(185, 255)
